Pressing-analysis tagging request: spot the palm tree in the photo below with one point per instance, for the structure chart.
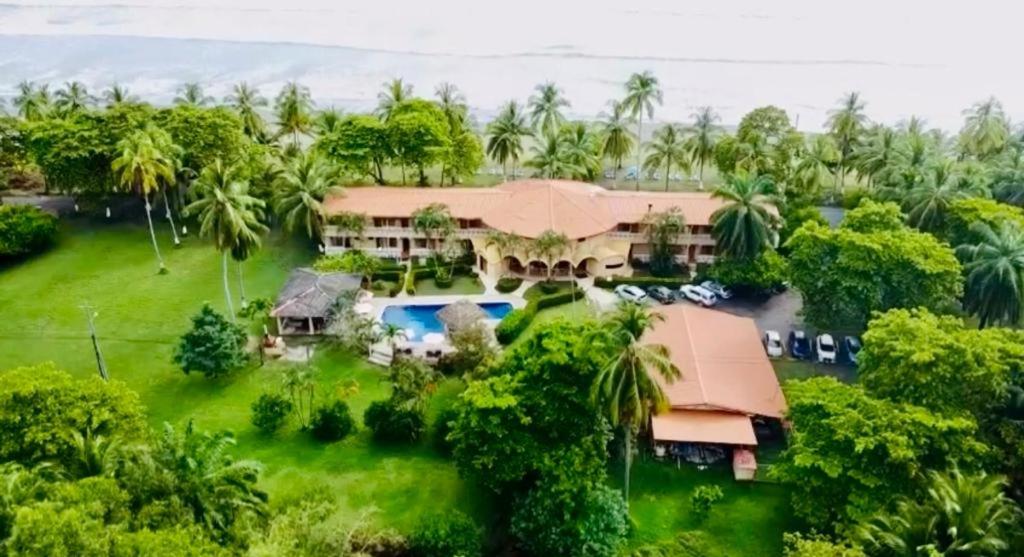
(94, 455)
(326, 121)
(550, 159)
(300, 384)
(986, 130)
(667, 149)
(875, 157)
(141, 166)
(505, 137)
(846, 124)
(995, 273)
(118, 95)
(504, 243)
(228, 215)
(747, 223)
(550, 246)
(814, 170)
(702, 139)
(395, 92)
(72, 98)
(959, 515)
(302, 187)
(192, 94)
(212, 485)
(293, 108)
(628, 385)
(453, 104)
(32, 102)
(928, 202)
(618, 140)
(582, 150)
(546, 109)
(247, 101)
(642, 92)
(392, 334)
(436, 224)
(412, 382)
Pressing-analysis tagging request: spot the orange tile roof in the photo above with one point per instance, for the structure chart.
(694, 426)
(529, 207)
(723, 364)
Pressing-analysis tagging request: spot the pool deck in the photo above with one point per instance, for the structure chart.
(380, 304)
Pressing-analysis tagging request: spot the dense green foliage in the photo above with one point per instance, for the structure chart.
(332, 422)
(761, 275)
(213, 346)
(517, 320)
(447, 535)
(270, 411)
(391, 422)
(25, 230)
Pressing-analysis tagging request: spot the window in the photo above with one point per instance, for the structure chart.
(421, 243)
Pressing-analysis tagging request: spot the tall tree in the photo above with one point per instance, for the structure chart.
(32, 101)
(302, 186)
(846, 125)
(702, 138)
(294, 108)
(327, 121)
(928, 202)
(192, 94)
(814, 170)
(875, 157)
(505, 137)
(663, 231)
(453, 103)
(748, 222)
(142, 167)
(617, 139)
(995, 273)
(228, 215)
(628, 385)
(986, 130)
(550, 246)
(395, 93)
(582, 150)
(545, 107)
(73, 97)
(642, 92)
(247, 102)
(436, 223)
(550, 159)
(667, 149)
(117, 95)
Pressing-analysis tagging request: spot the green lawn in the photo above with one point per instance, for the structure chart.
(460, 286)
(787, 368)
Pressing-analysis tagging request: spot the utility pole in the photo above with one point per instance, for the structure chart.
(91, 314)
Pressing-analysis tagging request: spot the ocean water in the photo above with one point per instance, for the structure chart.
(930, 58)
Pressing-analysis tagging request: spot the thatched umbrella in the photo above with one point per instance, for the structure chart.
(460, 315)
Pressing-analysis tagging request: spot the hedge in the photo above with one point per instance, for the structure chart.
(517, 320)
(25, 230)
(610, 283)
(508, 284)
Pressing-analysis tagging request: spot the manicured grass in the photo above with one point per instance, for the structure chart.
(787, 368)
(535, 291)
(460, 286)
(141, 316)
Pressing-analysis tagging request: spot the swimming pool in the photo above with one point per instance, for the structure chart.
(422, 319)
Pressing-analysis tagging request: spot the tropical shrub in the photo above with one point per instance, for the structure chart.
(392, 422)
(765, 273)
(597, 528)
(443, 278)
(474, 350)
(270, 412)
(214, 346)
(703, 499)
(517, 320)
(452, 534)
(508, 284)
(548, 286)
(442, 427)
(25, 230)
(332, 422)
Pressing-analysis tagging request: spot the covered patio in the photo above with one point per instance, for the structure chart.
(305, 302)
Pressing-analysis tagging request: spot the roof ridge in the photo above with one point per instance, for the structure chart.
(693, 352)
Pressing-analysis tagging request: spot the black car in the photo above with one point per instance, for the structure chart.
(852, 346)
(799, 345)
(662, 294)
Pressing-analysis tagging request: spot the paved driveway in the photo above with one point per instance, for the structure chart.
(780, 312)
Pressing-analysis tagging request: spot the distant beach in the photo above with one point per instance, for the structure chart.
(734, 56)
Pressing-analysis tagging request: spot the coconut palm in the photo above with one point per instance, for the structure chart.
(546, 109)
(617, 139)
(192, 94)
(702, 138)
(395, 92)
(412, 382)
(748, 222)
(299, 382)
(247, 101)
(986, 130)
(142, 167)
(94, 455)
(814, 170)
(118, 95)
(326, 121)
(392, 334)
(958, 516)
(293, 108)
(228, 215)
(928, 202)
(582, 149)
(550, 159)
(32, 101)
(217, 489)
(642, 92)
(504, 243)
(453, 104)
(72, 98)
(505, 137)
(628, 387)
(995, 273)
(875, 156)
(667, 149)
(302, 186)
(549, 247)
(846, 125)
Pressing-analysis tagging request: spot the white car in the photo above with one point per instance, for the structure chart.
(772, 344)
(631, 293)
(716, 288)
(699, 295)
(825, 346)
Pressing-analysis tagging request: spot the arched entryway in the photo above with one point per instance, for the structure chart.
(586, 267)
(511, 264)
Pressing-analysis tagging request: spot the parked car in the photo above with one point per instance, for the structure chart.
(716, 288)
(698, 295)
(825, 346)
(852, 346)
(631, 293)
(772, 344)
(662, 294)
(799, 345)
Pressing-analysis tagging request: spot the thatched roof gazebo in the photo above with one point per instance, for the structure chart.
(460, 315)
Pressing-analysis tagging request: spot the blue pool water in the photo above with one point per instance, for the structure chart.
(422, 319)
